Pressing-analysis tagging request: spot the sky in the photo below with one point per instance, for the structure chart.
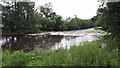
(84, 9)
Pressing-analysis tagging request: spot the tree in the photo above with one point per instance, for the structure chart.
(109, 18)
(55, 21)
(46, 10)
(18, 17)
(76, 23)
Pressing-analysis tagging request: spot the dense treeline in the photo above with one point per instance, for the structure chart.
(76, 23)
(22, 18)
(109, 18)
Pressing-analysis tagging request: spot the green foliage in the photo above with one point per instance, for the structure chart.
(113, 44)
(109, 18)
(23, 18)
(18, 17)
(46, 10)
(76, 23)
(18, 58)
(88, 54)
(97, 31)
(54, 21)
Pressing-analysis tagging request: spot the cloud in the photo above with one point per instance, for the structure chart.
(109, 0)
(84, 9)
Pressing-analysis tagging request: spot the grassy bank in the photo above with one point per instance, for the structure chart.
(97, 31)
(88, 54)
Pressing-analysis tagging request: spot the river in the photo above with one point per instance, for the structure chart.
(49, 40)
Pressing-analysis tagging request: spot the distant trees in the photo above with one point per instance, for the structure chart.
(46, 10)
(23, 18)
(76, 23)
(55, 21)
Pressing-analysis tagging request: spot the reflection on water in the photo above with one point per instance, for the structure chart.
(27, 43)
(67, 42)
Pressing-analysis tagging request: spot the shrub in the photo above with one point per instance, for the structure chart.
(87, 54)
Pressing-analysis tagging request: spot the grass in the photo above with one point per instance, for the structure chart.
(88, 54)
(97, 31)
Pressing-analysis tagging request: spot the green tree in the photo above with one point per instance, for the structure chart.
(46, 10)
(109, 18)
(54, 21)
(18, 17)
(76, 23)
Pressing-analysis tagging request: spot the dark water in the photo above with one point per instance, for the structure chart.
(28, 43)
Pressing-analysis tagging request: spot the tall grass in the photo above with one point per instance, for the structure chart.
(88, 54)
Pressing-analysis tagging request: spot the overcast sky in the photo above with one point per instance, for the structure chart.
(84, 9)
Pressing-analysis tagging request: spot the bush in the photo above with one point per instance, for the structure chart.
(88, 54)
(76, 24)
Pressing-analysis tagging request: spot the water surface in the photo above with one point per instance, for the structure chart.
(48, 40)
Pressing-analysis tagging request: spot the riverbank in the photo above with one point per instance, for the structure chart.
(87, 54)
(82, 32)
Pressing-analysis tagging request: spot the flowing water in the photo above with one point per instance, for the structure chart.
(53, 40)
